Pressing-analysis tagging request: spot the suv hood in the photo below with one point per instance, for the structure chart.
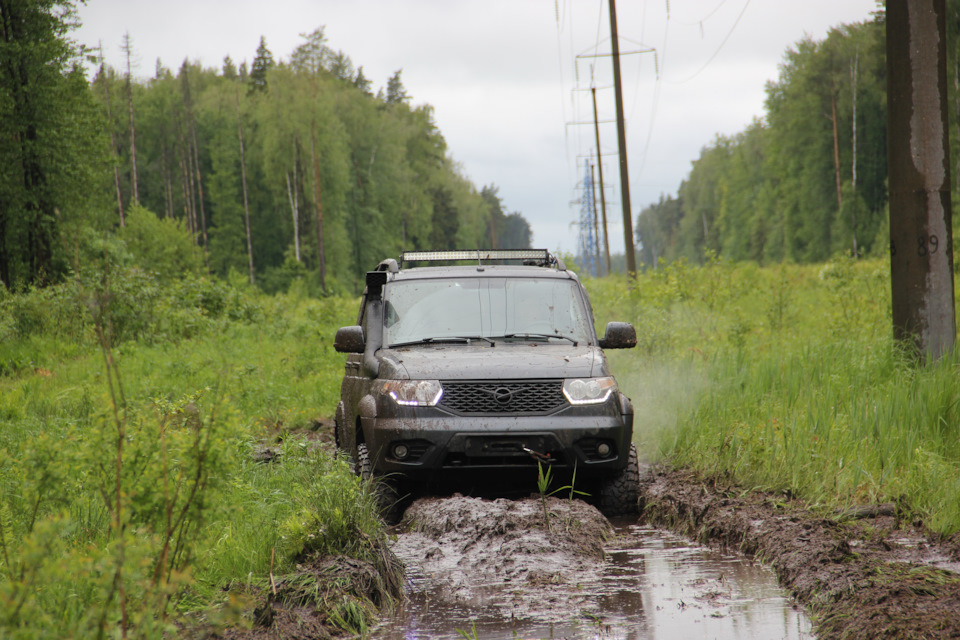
(483, 362)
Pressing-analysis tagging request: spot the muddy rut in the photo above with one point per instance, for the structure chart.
(863, 574)
(504, 556)
(511, 568)
(528, 568)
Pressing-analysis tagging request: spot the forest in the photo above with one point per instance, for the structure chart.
(289, 169)
(807, 181)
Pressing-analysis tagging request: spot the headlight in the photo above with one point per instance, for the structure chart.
(589, 390)
(413, 393)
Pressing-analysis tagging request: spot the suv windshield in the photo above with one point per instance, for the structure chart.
(489, 307)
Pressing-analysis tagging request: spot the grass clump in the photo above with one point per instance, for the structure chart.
(787, 378)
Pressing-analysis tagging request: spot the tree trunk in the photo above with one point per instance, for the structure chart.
(167, 182)
(291, 194)
(186, 173)
(956, 98)
(192, 141)
(316, 184)
(853, 177)
(184, 187)
(203, 215)
(133, 130)
(113, 139)
(836, 149)
(243, 177)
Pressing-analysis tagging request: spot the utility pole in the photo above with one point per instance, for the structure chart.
(603, 197)
(622, 142)
(918, 161)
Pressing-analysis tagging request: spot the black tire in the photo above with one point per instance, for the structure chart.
(619, 494)
(386, 490)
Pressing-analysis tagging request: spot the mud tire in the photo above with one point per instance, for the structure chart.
(386, 490)
(619, 494)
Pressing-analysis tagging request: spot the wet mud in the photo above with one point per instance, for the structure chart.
(503, 569)
(503, 557)
(864, 573)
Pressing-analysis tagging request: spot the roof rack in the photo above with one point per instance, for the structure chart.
(536, 257)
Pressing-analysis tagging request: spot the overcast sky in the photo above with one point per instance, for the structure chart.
(502, 76)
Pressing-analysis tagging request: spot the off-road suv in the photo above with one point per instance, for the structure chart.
(484, 368)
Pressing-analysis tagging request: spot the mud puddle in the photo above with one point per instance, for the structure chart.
(499, 567)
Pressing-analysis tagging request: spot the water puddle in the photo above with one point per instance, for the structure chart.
(654, 585)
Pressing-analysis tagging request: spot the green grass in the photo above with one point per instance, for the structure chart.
(787, 378)
(211, 376)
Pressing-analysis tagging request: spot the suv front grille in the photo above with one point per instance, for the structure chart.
(529, 397)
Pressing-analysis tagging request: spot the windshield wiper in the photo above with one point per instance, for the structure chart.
(545, 336)
(441, 340)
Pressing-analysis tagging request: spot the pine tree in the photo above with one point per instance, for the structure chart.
(312, 54)
(361, 82)
(262, 63)
(53, 157)
(446, 221)
(396, 93)
(229, 69)
(341, 66)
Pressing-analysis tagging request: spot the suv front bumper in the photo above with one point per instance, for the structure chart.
(418, 441)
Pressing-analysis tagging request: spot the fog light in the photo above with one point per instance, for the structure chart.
(603, 449)
(400, 451)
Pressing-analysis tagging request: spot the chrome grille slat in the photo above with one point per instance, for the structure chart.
(529, 397)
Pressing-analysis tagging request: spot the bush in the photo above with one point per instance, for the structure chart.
(162, 246)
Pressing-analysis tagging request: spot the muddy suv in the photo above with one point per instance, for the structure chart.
(481, 373)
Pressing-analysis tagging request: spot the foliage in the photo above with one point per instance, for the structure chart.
(544, 480)
(334, 514)
(53, 158)
(164, 247)
(131, 488)
(504, 231)
(788, 378)
(807, 180)
(337, 178)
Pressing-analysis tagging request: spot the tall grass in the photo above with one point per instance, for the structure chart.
(787, 378)
(132, 482)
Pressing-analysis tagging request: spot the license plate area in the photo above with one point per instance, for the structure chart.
(500, 446)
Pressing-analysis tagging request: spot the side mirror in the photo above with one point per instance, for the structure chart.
(349, 340)
(619, 335)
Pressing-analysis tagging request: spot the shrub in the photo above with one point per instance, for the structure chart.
(162, 246)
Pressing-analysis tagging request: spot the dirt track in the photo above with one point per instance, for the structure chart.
(466, 545)
(868, 577)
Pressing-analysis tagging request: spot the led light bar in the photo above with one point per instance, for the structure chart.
(474, 254)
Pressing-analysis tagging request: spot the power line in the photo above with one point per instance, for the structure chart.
(655, 104)
(704, 18)
(729, 33)
(563, 91)
(599, 23)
